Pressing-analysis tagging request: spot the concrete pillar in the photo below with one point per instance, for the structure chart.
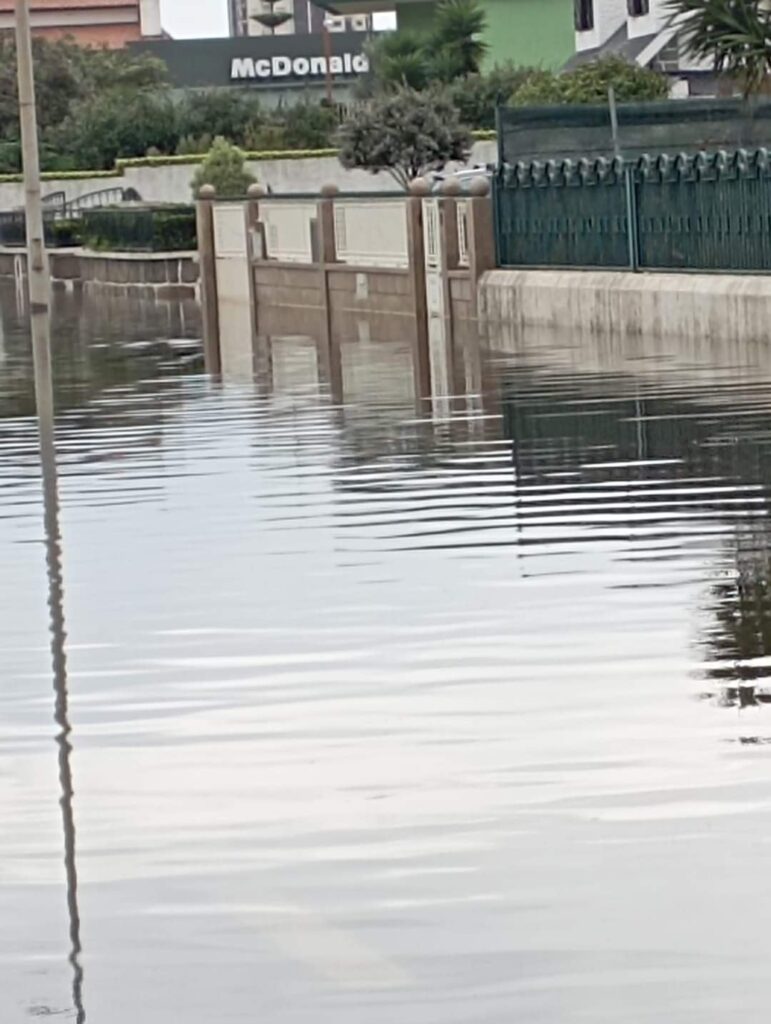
(481, 237)
(325, 252)
(150, 18)
(208, 279)
(417, 266)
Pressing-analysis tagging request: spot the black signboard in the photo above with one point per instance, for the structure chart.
(262, 61)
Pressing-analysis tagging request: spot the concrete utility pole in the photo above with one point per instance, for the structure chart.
(38, 262)
(37, 258)
(40, 324)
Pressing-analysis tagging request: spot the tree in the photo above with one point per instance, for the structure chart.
(118, 123)
(399, 59)
(309, 126)
(225, 169)
(406, 133)
(455, 42)
(205, 115)
(58, 82)
(452, 50)
(477, 97)
(589, 83)
(734, 35)
(68, 76)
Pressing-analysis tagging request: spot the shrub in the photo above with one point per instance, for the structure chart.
(477, 96)
(64, 233)
(589, 83)
(231, 115)
(118, 124)
(147, 229)
(406, 133)
(309, 126)
(224, 168)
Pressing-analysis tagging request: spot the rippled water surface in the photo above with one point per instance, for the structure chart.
(379, 712)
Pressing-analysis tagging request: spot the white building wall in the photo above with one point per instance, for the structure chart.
(648, 24)
(609, 16)
(254, 28)
(150, 17)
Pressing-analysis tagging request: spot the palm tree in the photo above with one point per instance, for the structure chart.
(458, 27)
(399, 59)
(734, 35)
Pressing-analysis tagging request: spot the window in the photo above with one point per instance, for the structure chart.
(584, 15)
(637, 8)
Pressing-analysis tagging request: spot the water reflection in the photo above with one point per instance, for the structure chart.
(385, 699)
(44, 405)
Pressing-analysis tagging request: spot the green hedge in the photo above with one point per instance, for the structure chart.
(152, 229)
(58, 233)
(194, 159)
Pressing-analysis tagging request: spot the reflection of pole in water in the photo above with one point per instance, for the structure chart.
(39, 293)
(59, 662)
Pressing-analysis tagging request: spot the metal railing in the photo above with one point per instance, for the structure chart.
(708, 211)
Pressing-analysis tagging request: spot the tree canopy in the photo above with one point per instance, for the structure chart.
(589, 83)
(733, 35)
(452, 49)
(405, 133)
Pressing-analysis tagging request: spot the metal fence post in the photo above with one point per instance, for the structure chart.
(632, 214)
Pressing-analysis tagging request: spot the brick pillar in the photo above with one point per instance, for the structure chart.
(417, 267)
(207, 268)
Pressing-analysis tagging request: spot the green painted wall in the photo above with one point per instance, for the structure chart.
(537, 33)
(415, 17)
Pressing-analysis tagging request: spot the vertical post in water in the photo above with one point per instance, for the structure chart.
(37, 258)
(630, 197)
(39, 300)
(207, 269)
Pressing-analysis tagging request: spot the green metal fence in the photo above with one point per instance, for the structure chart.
(689, 126)
(701, 212)
(141, 229)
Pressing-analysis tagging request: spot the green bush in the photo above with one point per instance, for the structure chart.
(224, 168)
(64, 233)
(232, 115)
(309, 126)
(147, 229)
(477, 96)
(589, 83)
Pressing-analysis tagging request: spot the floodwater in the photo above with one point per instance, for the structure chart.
(375, 712)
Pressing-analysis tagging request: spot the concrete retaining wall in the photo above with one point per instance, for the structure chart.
(158, 275)
(171, 184)
(708, 306)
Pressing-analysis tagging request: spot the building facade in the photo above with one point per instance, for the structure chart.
(537, 33)
(110, 23)
(289, 17)
(641, 31)
(281, 69)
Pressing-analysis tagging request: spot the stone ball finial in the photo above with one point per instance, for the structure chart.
(256, 191)
(207, 192)
(420, 187)
(451, 187)
(329, 191)
(480, 187)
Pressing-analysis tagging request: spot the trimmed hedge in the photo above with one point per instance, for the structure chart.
(58, 233)
(149, 229)
(193, 159)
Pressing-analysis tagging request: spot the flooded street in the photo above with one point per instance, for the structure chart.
(383, 712)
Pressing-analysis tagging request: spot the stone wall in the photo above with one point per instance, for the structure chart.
(171, 183)
(159, 275)
(728, 307)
